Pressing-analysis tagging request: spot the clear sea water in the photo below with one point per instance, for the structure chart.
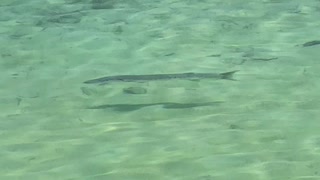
(263, 125)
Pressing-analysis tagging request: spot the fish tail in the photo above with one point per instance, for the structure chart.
(228, 75)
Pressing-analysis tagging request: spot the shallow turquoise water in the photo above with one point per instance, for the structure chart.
(264, 125)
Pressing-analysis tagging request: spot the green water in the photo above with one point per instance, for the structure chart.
(262, 126)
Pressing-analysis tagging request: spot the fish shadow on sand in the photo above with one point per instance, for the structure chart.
(165, 105)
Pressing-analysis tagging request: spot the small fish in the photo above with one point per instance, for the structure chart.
(157, 77)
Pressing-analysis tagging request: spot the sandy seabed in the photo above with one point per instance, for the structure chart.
(264, 125)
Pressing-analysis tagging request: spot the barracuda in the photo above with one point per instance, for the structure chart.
(158, 77)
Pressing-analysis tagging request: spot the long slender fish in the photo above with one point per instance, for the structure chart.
(157, 77)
